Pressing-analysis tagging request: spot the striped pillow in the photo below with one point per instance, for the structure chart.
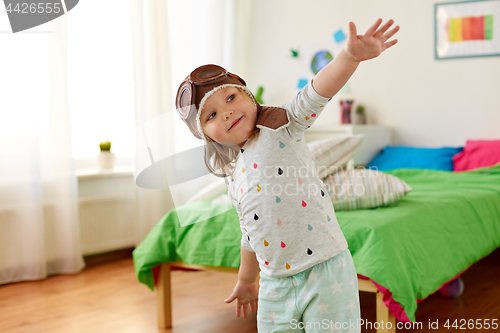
(333, 153)
(364, 188)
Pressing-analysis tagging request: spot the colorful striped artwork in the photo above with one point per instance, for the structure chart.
(470, 28)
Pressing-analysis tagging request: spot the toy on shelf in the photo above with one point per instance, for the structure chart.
(345, 111)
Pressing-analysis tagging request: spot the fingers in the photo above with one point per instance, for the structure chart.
(245, 309)
(253, 306)
(390, 33)
(238, 310)
(373, 28)
(389, 44)
(241, 307)
(383, 29)
(230, 298)
(352, 30)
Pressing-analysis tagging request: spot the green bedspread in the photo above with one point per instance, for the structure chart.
(412, 247)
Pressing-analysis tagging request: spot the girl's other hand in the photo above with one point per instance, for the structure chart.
(372, 43)
(245, 294)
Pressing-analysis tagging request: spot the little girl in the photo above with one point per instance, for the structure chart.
(307, 277)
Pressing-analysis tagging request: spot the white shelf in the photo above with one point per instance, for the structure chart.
(95, 173)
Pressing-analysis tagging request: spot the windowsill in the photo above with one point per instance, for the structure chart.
(96, 173)
(88, 169)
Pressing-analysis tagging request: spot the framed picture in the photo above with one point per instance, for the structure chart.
(467, 29)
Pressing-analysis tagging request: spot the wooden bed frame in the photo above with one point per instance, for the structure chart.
(164, 296)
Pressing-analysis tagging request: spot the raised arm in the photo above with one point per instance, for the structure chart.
(359, 48)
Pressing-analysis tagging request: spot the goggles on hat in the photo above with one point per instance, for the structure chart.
(199, 82)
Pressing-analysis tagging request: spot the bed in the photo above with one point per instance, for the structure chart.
(403, 252)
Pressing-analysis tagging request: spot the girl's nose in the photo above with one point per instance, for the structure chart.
(228, 113)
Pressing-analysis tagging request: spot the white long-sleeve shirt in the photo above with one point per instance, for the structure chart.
(286, 215)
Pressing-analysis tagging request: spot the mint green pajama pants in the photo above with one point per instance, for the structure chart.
(323, 298)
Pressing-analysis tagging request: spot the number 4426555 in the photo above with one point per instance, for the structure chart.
(463, 324)
(25, 8)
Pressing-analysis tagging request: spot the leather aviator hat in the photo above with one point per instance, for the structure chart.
(198, 86)
(203, 82)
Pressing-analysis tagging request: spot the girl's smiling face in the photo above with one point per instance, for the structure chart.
(229, 116)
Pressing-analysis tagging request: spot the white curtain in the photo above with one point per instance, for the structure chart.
(152, 98)
(171, 38)
(39, 228)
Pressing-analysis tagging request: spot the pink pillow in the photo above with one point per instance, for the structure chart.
(477, 154)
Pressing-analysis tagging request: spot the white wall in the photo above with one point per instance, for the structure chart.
(427, 102)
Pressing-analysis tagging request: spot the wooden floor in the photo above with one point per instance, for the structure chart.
(107, 298)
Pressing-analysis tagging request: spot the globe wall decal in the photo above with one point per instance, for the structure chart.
(320, 60)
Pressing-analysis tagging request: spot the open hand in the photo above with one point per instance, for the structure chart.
(372, 43)
(245, 294)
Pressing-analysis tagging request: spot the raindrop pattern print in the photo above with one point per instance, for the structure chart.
(286, 227)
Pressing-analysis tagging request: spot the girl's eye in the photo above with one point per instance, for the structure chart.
(230, 98)
(210, 117)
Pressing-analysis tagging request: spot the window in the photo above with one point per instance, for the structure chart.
(100, 78)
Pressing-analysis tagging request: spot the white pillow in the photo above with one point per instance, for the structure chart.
(362, 188)
(331, 154)
(223, 198)
(211, 191)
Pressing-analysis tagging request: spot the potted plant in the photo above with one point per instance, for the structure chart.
(106, 158)
(360, 115)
